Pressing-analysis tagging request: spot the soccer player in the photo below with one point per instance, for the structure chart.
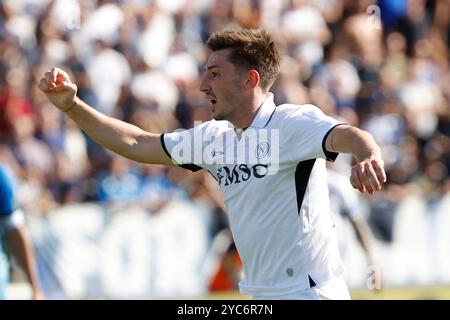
(12, 227)
(268, 160)
(346, 206)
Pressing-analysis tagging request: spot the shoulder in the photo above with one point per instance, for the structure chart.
(205, 132)
(292, 113)
(217, 126)
(213, 128)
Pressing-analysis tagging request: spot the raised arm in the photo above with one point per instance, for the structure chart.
(368, 174)
(115, 135)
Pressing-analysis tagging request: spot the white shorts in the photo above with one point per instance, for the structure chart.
(335, 289)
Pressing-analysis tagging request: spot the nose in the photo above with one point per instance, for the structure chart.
(204, 86)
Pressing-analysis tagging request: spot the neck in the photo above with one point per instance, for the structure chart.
(245, 115)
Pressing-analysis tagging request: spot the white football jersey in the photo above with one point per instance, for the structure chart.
(274, 182)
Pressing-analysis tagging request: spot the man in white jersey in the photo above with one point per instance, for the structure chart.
(268, 160)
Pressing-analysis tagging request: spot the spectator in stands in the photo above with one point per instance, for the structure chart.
(14, 233)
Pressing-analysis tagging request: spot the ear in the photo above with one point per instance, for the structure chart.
(252, 79)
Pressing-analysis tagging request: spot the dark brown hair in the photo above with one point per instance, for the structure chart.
(251, 49)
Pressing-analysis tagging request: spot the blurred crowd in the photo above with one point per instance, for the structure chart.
(384, 68)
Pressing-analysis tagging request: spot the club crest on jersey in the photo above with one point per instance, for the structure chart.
(262, 150)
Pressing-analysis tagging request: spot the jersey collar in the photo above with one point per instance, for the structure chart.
(264, 113)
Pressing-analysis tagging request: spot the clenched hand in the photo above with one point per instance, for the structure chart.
(59, 89)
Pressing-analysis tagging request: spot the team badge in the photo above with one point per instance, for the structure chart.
(262, 150)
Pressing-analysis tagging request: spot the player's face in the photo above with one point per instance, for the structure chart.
(222, 85)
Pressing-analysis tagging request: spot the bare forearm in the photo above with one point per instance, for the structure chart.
(364, 238)
(348, 139)
(116, 135)
(111, 133)
(20, 244)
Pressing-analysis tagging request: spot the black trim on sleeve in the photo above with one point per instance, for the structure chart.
(163, 144)
(302, 173)
(330, 156)
(188, 166)
(191, 167)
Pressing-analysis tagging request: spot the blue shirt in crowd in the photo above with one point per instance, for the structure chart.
(7, 207)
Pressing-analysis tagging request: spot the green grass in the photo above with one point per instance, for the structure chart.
(425, 293)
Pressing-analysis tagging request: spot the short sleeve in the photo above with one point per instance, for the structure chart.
(189, 148)
(306, 131)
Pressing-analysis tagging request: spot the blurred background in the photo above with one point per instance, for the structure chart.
(106, 227)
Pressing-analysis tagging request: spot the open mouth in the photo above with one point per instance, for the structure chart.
(211, 98)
